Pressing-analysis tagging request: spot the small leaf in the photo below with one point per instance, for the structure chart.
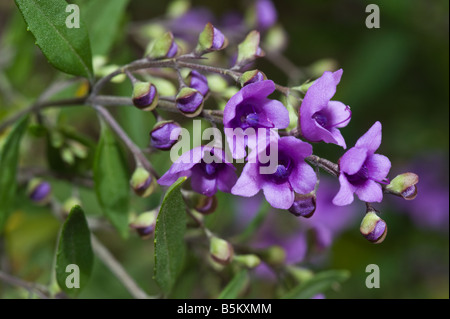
(318, 284)
(169, 237)
(67, 49)
(74, 259)
(235, 286)
(9, 158)
(112, 181)
(102, 19)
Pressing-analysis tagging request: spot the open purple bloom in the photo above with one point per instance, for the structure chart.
(320, 118)
(208, 169)
(361, 170)
(291, 174)
(251, 109)
(266, 14)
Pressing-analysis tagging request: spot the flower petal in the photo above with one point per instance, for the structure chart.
(337, 137)
(279, 195)
(226, 178)
(303, 178)
(276, 112)
(352, 161)
(201, 183)
(370, 192)
(339, 114)
(371, 140)
(294, 146)
(378, 166)
(249, 183)
(169, 178)
(345, 195)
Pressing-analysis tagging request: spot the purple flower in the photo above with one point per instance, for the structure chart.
(164, 135)
(320, 118)
(199, 82)
(251, 109)
(208, 168)
(266, 14)
(291, 174)
(361, 170)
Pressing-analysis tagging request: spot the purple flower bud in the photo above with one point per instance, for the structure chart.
(206, 204)
(199, 82)
(304, 205)
(252, 76)
(373, 228)
(218, 40)
(172, 50)
(164, 135)
(266, 14)
(145, 96)
(144, 224)
(189, 102)
(39, 191)
(210, 39)
(142, 182)
(404, 185)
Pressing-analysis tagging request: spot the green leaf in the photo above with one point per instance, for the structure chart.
(102, 19)
(235, 286)
(112, 181)
(9, 158)
(169, 237)
(67, 49)
(74, 249)
(318, 284)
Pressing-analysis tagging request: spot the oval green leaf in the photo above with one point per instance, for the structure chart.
(74, 259)
(9, 158)
(112, 181)
(66, 48)
(169, 237)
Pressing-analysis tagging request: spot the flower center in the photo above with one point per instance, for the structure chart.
(281, 172)
(210, 169)
(252, 119)
(360, 177)
(321, 119)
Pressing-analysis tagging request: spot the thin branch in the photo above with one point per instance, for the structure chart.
(39, 290)
(116, 268)
(328, 166)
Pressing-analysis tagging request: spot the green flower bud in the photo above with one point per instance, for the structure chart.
(145, 96)
(163, 47)
(249, 49)
(249, 261)
(144, 224)
(404, 185)
(275, 255)
(142, 182)
(211, 39)
(221, 251)
(373, 228)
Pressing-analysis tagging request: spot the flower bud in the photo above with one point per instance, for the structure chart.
(252, 77)
(404, 185)
(69, 204)
(145, 96)
(249, 49)
(189, 101)
(144, 224)
(221, 251)
(199, 82)
(164, 135)
(39, 191)
(304, 205)
(274, 255)
(206, 205)
(249, 261)
(142, 182)
(163, 47)
(373, 228)
(211, 39)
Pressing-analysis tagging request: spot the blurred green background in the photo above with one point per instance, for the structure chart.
(397, 74)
